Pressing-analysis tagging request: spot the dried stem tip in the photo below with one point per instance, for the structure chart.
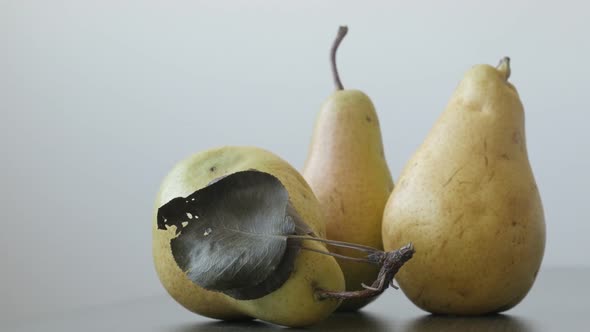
(342, 31)
(504, 66)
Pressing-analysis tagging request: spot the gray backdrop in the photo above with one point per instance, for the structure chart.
(100, 98)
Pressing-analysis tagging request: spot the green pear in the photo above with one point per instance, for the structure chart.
(294, 303)
(347, 170)
(468, 201)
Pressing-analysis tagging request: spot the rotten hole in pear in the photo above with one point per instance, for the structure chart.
(244, 236)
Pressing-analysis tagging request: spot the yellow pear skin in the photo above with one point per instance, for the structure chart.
(294, 303)
(468, 201)
(348, 173)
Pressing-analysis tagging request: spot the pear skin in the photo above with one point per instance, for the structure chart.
(468, 201)
(294, 304)
(347, 170)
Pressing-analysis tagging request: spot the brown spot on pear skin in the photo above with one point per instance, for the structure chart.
(463, 292)
(505, 156)
(516, 137)
(420, 292)
(452, 176)
(213, 169)
(491, 176)
(458, 218)
(368, 118)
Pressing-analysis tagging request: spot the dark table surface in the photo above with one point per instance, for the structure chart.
(559, 301)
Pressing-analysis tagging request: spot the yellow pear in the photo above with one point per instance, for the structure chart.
(468, 201)
(347, 170)
(294, 303)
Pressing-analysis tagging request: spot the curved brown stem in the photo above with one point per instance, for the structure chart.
(393, 261)
(342, 31)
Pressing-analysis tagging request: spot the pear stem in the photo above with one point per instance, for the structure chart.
(390, 263)
(504, 67)
(342, 31)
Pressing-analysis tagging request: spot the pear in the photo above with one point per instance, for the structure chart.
(347, 170)
(294, 303)
(468, 200)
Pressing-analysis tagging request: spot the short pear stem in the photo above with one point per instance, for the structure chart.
(504, 67)
(342, 31)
